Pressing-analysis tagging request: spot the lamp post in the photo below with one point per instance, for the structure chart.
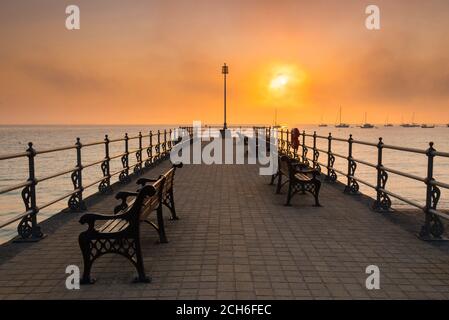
(224, 71)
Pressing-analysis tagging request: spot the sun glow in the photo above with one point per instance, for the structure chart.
(279, 81)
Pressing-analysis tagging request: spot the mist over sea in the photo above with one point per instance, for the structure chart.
(14, 139)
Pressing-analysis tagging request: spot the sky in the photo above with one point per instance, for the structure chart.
(159, 62)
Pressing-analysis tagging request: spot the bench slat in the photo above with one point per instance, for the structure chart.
(302, 177)
(110, 225)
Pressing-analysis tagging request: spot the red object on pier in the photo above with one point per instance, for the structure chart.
(295, 138)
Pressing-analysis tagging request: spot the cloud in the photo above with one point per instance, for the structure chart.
(59, 77)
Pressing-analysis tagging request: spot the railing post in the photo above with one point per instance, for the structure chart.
(170, 141)
(383, 201)
(433, 228)
(268, 138)
(124, 175)
(149, 160)
(105, 184)
(28, 229)
(256, 132)
(281, 144)
(76, 202)
(352, 186)
(158, 146)
(331, 174)
(316, 154)
(138, 166)
(164, 145)
(288, 143)
(304, 148)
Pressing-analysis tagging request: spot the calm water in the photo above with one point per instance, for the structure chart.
(14, 139)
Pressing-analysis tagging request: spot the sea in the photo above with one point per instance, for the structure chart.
(14, 139)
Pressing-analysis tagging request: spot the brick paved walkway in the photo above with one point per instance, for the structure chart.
(236, 240)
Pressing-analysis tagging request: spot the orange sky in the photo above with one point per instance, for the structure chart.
(154, 62)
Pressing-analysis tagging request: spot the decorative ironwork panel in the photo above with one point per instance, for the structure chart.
(332, 176)
(138, 166)
(105, 184)
(75, 202)
(353, 186)
(383, 203)
(316, 156)
(124, 175)
(433, 226)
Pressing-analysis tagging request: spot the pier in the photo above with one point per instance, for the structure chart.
(237, 240)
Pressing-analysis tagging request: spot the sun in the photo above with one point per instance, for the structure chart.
(279, 81)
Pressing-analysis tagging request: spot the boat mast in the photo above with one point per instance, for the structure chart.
(340, 115)
(275, 116)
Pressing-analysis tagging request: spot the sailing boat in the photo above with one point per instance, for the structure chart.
(366, 125)
(276, 126)
(322, 124)
(414, 125)
(341, 124)
(387, 124)
(411, 125)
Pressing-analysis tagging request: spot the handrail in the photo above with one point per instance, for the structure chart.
(382, 202)
(15, 187)
(159, 143)
(54, 150)
(61, 173)
(14, 156)
(156, 148)
(404, 174)
(366, 163)
(412, 150)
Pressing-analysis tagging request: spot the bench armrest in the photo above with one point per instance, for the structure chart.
(299, 165)
(178, 165)
(144, 181)
(123, 195)
(90, 218)
(314, 172)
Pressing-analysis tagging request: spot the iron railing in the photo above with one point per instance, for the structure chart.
(433, 227)
(160, 143)
(157, 148)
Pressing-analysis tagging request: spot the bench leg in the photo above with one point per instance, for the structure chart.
(139, 265)
(87, 261)
(316, 192)
(160, 224)
(278, 187)
(290, 193)
(273, 178)
(171, 206)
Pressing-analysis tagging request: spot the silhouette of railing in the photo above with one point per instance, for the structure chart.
(158, 147)
(160, 143)
(433, 227)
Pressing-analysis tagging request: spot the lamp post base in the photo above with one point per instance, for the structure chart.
(224, 131)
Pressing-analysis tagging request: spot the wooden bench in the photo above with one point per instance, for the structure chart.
(120, 233)
(298, 179)
(167, 192)
(299, 165)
